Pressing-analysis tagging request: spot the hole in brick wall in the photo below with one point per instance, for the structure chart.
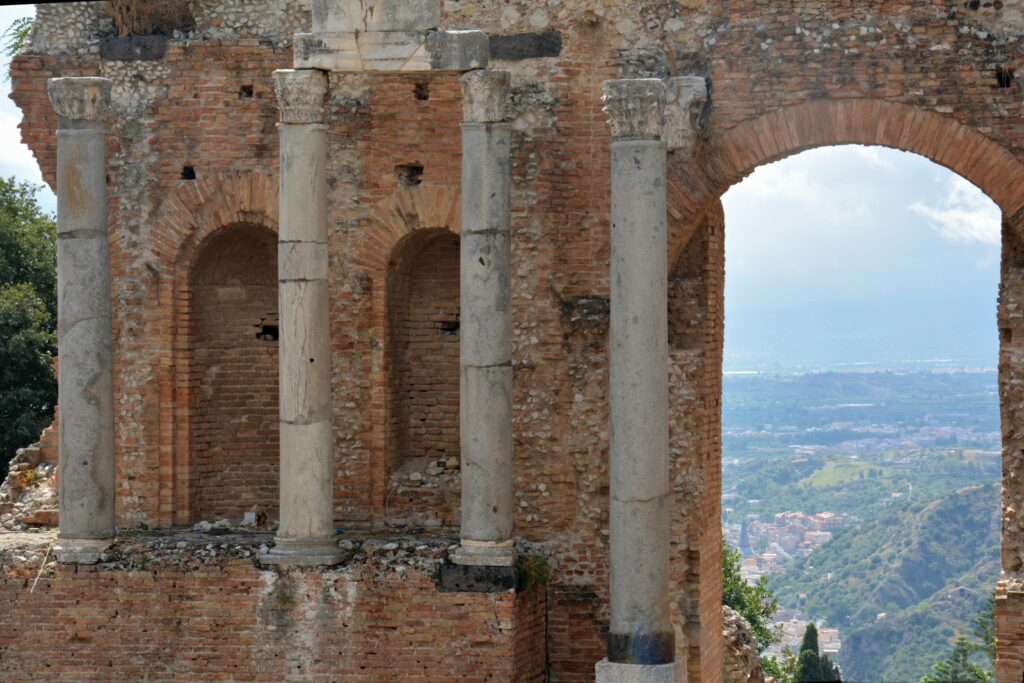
(972, 4)
(1004, 76)
(188, 173)
(450, 328)
(421, 91)
(268, 333)
(1005, 335)
(246, 92)
(409, 175)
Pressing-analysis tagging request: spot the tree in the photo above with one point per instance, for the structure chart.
(985, 629)
(28, 310)
(782, 670)
(755, 603)
(812, 666)
(958, 668)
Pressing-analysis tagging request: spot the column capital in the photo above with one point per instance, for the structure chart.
(635, 108)
(485, 95)
(300, 95)
(80, 98)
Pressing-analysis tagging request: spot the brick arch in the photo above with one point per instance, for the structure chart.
(186, 220)
(395, 222)
(733, 154)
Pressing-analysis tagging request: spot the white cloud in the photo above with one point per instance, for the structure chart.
(964, 216)
(874, 156)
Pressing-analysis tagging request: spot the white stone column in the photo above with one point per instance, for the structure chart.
(306, 535)
(641, 642)
(485, 401)
(84, 331)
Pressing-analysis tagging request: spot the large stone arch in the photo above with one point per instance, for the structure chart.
(695, 188)
(395, 222)
(727, 156)
(185, 221)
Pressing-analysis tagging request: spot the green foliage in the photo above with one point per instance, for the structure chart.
(782, 670)
(755, 603)
(985, 629)
(15, 37)
(28, 309)
(902, 563)
(958, 667)
(812, 666)
(533, 574)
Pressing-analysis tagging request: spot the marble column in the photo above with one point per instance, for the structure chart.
(84, 331)
(485, 400)
(641, 641)
(306, 535)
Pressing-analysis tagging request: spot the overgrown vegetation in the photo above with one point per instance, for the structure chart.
(14, 38)
(28, 314)
(533, 574)
(149, 17)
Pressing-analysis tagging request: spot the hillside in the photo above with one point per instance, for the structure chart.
(927, 565)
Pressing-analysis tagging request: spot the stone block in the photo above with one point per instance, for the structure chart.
(612, 672)
(533, 45)
(461, 578)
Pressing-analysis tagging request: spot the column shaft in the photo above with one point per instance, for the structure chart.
(84, 327)
(641, 640)
(638, 366)
(485, 415)
(306, 535)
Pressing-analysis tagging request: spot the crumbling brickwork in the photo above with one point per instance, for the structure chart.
(933, 77)
(200, 610)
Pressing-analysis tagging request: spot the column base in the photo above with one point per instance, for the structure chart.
(612, 672)
(81, 550)
(485, 553)
(304, 552)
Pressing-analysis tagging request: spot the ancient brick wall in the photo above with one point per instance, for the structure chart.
(423, 321)
(207, 613)
(929, 77)
(233, 374)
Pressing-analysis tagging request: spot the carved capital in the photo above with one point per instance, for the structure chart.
(300, 95)
(82, 99)
(635, 108)
(684, 106)
(485, 95)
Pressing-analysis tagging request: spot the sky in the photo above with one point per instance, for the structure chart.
(15, 158)
(859, 255)
(840, 257)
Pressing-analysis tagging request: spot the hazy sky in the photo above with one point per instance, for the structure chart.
(837, 255)
(859, 254)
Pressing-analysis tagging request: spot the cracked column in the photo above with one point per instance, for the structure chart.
(641, 641)
(306, 535)
(84, 331)
(485, 404)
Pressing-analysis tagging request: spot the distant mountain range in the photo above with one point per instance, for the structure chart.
(896, 334)
(898, 584)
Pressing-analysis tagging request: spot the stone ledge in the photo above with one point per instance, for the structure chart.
(611, 672)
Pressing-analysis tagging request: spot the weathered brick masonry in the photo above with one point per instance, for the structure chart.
(193, 157)
(206, 612)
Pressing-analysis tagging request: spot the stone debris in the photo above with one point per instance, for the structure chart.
(28, 495)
